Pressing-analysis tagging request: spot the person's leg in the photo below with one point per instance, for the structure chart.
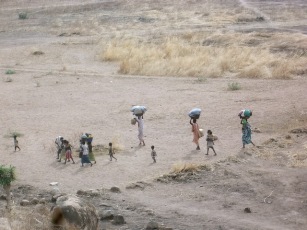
(207, 151)
(59, 151)
(114, 158)
(82, 160)
(214, 151)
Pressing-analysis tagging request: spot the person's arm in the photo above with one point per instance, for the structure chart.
(191, 122)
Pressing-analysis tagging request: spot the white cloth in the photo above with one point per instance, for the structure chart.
(84, 149)
(58, 142)
(140, 128)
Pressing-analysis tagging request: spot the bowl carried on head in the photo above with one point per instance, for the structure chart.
(195, 113)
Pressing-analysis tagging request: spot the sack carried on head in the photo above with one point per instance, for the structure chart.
(138, 110)
(195, 113)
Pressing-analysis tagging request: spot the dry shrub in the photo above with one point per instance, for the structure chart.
(189, 167)
(26, 219)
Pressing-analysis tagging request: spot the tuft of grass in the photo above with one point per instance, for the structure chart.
(234, 86)
(189, 167)
(201, 80)
(22, 15)
(9, 71)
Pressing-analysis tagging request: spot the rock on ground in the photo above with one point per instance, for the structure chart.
(73, 211)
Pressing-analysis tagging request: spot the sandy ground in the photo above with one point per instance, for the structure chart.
(68, 90)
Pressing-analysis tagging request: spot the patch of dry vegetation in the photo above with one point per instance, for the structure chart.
(205, 55)
(185, 171)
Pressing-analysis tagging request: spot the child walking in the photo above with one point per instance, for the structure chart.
(111, 152)
(210, 142)
(153, 154)
(68, 154)
(16, 143)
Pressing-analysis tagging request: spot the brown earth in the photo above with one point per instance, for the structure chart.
(67, 90)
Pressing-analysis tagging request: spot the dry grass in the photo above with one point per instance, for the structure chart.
(183, 167)
(204, 55)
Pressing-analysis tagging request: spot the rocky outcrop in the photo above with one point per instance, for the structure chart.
(73, 212)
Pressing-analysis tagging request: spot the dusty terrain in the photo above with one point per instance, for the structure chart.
(67, 89)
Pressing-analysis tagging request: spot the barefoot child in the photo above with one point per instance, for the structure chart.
(68, 155)
(111, 152)
(153, 154)
(210, 142)
(16, 143)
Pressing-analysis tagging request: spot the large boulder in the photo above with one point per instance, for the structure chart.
(73, 212)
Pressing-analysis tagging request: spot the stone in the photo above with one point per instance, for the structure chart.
(34, 201)
(256, 130)
(118, 220)
(42, 201)
(152, 225)
(115, 189)
(247, 210)
(25, 202)
(55, 197)
(300, 130)
(2, 197)
(54, 183)
(4, 224)
(75, 212)
(106, 215)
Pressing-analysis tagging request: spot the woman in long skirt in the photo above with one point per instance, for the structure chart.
(246, 133)
(195, 130)
(140, 122)
(84, 150)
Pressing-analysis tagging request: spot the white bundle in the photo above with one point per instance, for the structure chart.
(138, 110)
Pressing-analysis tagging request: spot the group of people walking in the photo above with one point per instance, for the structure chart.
(86, 150)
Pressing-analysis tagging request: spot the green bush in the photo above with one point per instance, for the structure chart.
(9, 71)
(22, 15)
(234, 86)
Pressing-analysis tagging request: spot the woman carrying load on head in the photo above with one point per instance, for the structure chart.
(246, 132)
(195, 130)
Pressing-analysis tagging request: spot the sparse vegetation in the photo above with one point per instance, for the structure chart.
(9, 71)
(189, 167)
(195, 57)
(22, 15)
(234, 86)
(7, 176)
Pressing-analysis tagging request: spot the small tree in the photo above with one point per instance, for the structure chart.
(7, 176)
